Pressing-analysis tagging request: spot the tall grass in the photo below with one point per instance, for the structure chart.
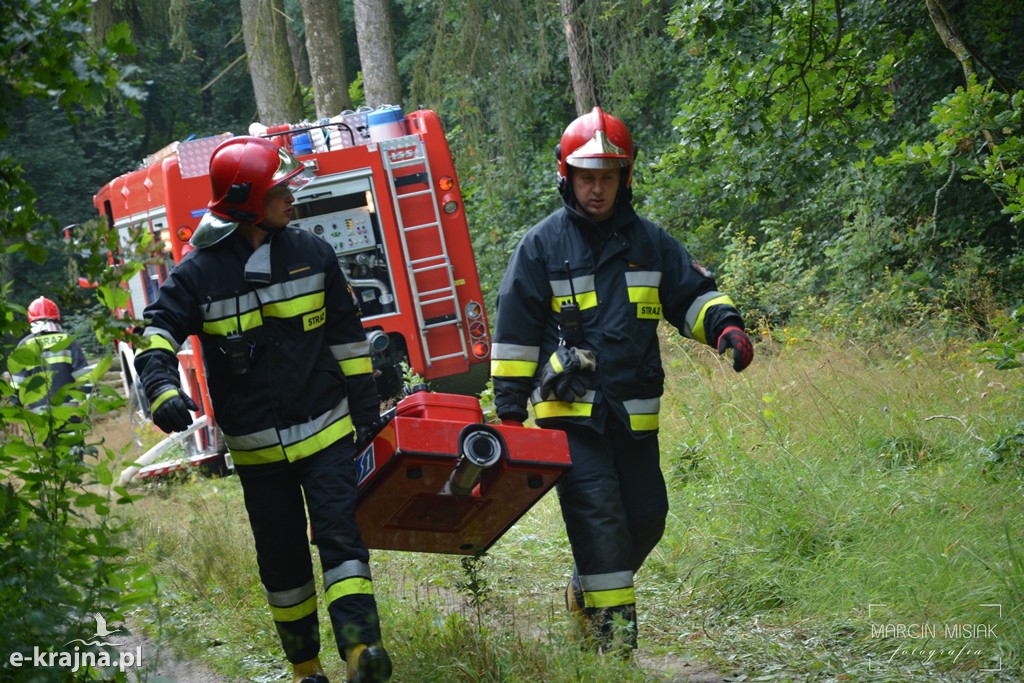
(824, 504)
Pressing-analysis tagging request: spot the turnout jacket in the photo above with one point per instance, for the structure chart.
(60, 360)
(627, 275)
(290, 313)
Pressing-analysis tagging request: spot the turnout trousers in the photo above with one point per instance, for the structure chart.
(614, 504)
(277, 514)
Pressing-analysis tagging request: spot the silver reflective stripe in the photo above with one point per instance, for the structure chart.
(584, 283)
(163, 334)
(515, 352)
(643, 278)
(642, 406)
(592, 583)
(353, 350)
(587, 397)
(291, 597)
(254, 441)
(297, 433)
(82, 371)
(346, 570)
(228, 308)
(694, 311)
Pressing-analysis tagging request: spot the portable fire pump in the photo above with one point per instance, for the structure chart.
(386, 197)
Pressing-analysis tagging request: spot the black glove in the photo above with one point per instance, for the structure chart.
(567, 375)
(170, 407)
(366, 432)
(742, 349)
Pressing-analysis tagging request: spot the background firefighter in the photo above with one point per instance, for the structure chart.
(576, 333)
(290, 378)
(61, 360)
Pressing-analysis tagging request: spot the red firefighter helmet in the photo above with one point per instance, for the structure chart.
(243, 169)
(596, 140)
(43, 309)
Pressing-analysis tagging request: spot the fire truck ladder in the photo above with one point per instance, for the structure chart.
(400, 153)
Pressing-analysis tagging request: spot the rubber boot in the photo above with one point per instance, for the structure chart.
(309, 671)
(616, 630)
(368, 664)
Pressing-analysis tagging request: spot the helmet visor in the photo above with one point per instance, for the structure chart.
(290, 170)
(598, 152)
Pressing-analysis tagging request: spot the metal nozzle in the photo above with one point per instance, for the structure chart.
(480, 448)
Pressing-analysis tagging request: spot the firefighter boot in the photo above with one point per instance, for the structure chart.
(617, 630)
(582, 626)
(308, 671)
(368, 664)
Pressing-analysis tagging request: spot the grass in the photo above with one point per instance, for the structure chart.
(837, 513)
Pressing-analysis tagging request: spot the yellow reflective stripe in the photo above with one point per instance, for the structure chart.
(295, 612)
(609, 598)
(320, 440)
(698, 326)
(156, 341)
(161, 399)
(248, 321)
(513, 368)
(356, 366)
(357, 585)
(54, 360)
(294, 307)
(562, 409)
(584, 299)
(260, 456)
(643, 423)
(643, 295)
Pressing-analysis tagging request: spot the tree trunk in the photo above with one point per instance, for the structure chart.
(274, 82)
(950, 36)
(377, 52)
(326, 57)
(581, 66)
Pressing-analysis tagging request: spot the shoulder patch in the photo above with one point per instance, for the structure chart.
(700, 268)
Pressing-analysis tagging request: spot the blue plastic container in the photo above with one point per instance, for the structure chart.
(386, 122)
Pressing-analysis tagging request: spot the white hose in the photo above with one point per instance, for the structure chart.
(156, 451)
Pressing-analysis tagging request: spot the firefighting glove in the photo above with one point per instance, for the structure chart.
(170, 407)
(365, 433)
(567, 374)
(742, 350)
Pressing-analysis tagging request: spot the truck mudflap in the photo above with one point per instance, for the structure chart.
(437, 479)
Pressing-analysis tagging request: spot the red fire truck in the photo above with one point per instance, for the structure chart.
(385, 196)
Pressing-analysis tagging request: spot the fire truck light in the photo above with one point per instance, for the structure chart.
(448, 204)
(480, 349)
(184, 233)
(476, 329)
(165, 237)
(474, 310)
(445, 183)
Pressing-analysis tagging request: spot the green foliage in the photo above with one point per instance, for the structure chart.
(980, 138)
(60, 540)
(1005, 349)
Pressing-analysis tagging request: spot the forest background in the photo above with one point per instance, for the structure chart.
(851, 170)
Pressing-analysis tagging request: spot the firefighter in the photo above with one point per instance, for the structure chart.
(290, 380)
(577, 334)
(63, 360)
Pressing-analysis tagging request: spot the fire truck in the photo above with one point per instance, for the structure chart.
(386, 197)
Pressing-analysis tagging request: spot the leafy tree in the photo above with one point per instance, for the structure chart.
(59, 543)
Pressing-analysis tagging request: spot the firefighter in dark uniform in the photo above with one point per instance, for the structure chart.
(576, 334)
(291, 382)
(61, 360)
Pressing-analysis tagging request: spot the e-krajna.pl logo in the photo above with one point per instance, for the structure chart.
(96, 653)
